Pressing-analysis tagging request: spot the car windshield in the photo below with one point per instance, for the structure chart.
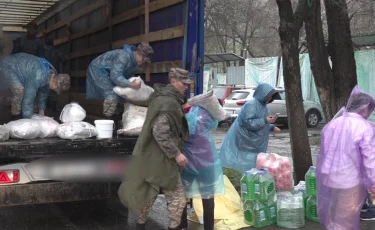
(240, 95)
(219, 92)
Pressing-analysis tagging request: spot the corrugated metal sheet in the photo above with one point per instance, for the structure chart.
(236, 75)
(17, 13)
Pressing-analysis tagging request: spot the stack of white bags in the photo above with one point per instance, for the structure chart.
(73, 126)
(38, 126)
(134, 116)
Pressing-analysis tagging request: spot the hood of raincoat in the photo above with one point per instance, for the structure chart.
(130, 50)
(167, 90)
(264, 91)
(359, 102)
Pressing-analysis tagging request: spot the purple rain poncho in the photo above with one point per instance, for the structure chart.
(203, 176)
(346, 164)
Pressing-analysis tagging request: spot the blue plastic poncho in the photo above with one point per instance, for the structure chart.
(249, 134)
(203, 176)
(110, 69)
(31, 73)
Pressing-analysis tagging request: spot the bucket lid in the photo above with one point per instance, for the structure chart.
(104, 122)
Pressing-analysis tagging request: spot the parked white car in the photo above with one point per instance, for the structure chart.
(234, 102)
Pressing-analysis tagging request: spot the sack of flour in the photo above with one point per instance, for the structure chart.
(209, 102)
(48, 126)
(72, 112)
(133, 119)
(24, 129)
(141, 94)
(76, 130)
(4, 133)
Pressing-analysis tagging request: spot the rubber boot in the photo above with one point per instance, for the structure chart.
(184, 221)
(208, 213)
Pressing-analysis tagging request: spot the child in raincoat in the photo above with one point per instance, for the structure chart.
(114, 68)
(249, 134)
(29, 77)
(203, 176)
(346, 164)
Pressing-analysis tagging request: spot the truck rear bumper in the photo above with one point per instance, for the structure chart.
(53, 192)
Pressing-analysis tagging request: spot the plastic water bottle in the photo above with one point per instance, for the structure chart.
(257, 184)
(262, 186)
(310, 179)
(272, 211)
(256, 214)
(245, 186)
(290, 210)
(312, 209)
(301, 187)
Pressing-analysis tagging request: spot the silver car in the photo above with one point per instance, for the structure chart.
(234, 102)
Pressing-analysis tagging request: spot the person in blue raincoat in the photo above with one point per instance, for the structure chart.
(249, 134)
(29, 77)
(203, 176)
(114, 68)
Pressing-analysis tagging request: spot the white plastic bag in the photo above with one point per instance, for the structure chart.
(72, 112)
(24, 129)
(133, 119)
(209, 102)
(141, 94)
(76, 130)
(4, 133)
(48, 125)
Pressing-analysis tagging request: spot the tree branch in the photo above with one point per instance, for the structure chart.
(300, 14)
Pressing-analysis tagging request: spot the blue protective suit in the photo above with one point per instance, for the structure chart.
(110, 69)
(31, 73)
(203, 176)
(249, 134)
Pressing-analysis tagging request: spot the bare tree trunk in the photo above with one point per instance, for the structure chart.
(341, 50)
(320, 67)
(290, 25)
(333, 85)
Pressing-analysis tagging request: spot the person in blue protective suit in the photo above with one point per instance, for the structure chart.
(114, 68)
(203, 175)
(30, 77)
(249, 134)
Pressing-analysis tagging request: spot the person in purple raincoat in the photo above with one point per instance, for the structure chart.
(346, 164)
(203, 176)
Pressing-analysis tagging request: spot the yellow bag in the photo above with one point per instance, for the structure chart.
(228, 213)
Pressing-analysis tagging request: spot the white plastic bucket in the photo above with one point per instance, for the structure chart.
(104, 128)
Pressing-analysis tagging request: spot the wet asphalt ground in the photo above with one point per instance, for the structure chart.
(111, 215)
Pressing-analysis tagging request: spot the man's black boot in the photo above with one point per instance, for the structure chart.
(184, 220)
(141, 226)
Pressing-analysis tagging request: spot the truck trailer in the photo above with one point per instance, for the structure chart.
(82, 30)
